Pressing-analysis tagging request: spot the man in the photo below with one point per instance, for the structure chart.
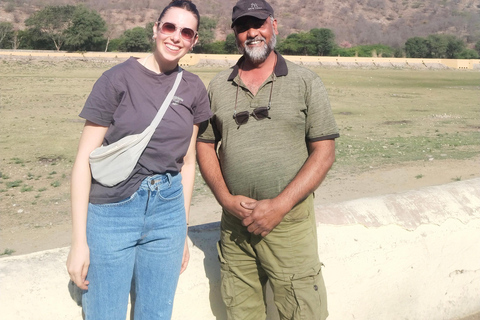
(269, 145)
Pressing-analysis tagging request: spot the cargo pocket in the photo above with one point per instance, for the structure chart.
(301, 211)
(226, 288)
(307, 299)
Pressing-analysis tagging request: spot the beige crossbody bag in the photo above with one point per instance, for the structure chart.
(114, 163)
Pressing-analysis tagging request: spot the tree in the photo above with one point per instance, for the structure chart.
(86, 30)
(290, 45)
(437, 46)
(52, 21)
(135, 40)
(313, 43)
(216, 47)
(108, 34)
(114, 45)
(324, 41)
(468, 54)
(17, 39)
(231, 44)
(445, 46)
(6, 34)
(149, 29)
(477, 47)
(303, 43)
(34, 39)
(455, 47)
(416, 47)
(206, 34)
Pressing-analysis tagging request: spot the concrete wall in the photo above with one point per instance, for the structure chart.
(412, 255)
(229, 59)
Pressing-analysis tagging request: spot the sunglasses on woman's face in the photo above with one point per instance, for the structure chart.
(169, 28)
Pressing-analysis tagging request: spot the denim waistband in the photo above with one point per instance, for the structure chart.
(158, 181)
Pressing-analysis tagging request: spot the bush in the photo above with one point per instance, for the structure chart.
(217, 47)
(135, 40)
(114, 45)
(6, 35)
(477, 47)
(468, 54)
(376, 50)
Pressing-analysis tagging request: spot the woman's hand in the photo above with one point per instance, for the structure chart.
(186, 256)
(78, 262)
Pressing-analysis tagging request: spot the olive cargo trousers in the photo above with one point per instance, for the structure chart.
(288, 257)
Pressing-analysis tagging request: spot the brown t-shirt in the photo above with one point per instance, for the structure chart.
(126, 98)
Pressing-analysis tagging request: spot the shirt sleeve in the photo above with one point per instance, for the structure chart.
(101, 103)
(320, 124)
(202, 105)
(208, 134)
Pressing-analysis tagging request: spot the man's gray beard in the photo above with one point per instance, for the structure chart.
(258, 54)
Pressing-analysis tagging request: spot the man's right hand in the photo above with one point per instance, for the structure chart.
(233, 205)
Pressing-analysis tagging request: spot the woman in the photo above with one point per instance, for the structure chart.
(136, 230)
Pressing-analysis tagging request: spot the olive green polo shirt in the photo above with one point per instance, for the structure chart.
(259, 159)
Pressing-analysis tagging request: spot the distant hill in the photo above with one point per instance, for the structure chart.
(355, 22)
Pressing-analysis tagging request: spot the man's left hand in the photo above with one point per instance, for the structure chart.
(265, 216)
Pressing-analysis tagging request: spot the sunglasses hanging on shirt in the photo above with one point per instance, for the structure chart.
(258, 113)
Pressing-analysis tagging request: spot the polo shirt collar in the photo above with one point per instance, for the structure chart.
(280, 68)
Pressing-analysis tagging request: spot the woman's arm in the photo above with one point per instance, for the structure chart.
(188, 179)
(188, 171)
(78, 259)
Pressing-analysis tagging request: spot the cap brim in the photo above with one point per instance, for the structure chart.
(258, 15)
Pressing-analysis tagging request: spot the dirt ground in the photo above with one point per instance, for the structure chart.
(35, 236)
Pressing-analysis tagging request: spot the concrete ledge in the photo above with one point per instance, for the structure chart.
(227, 60)
(413, 255)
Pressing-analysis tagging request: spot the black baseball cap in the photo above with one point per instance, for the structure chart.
(253, 8)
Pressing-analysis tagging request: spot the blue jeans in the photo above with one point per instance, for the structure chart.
(142, 239)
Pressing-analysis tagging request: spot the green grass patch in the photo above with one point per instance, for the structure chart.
(17, 160)
(26, 188)
(7, 252)
(56, 184)
(13, 184)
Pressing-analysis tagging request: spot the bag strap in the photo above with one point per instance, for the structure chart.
(167, 101)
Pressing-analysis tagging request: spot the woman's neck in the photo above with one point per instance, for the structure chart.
(154, 63)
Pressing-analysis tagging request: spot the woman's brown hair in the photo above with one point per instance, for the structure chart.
(183, 4)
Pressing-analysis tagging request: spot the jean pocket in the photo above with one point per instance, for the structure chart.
(174, 191)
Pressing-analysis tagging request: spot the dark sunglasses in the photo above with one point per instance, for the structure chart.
(258, 113)
(169, 28)
(249, 23)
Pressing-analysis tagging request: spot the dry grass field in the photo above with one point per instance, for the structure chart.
(423, 120)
